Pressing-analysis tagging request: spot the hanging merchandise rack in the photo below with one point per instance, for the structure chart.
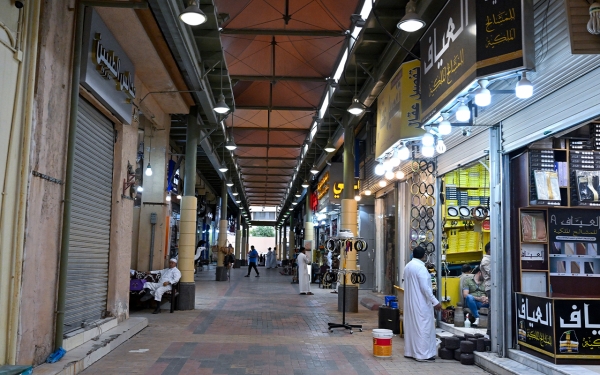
(348, 244)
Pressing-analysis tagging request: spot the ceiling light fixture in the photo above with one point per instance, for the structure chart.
(444, 127)
(411, 21)
(524, 88)
(329, 147)
(168, 197)
(234, 192)
(298, 194)
(229, 182)
(230, 145)
(399, 175)
(223, 168)
(389, 175)
(427, 151)
(314, 169)
(428, 139)
(441, 146)
(383, 183)
(356, 108)
(368, 192)
(179, 196)
(404, 152)
(395, 159)
(305, 184)
(380, 169)
(463, 113)
(140, 189)
(357, 197)
(483, 97)
(148, 170)
(221, 107)
(192, 15)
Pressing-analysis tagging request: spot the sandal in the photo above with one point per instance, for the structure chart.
(310, 294)
(302, 294)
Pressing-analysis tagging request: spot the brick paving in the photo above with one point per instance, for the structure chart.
(260, 325)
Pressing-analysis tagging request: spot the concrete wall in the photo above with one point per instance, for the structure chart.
(261, 244)
(18, 56)
(44, 201)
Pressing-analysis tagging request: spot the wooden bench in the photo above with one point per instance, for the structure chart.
(173, 294)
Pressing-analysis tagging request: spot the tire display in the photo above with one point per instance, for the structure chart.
(467, 359)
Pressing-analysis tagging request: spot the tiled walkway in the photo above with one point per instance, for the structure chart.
(260, 325)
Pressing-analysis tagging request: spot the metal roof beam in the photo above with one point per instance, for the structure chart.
(315, 33)
(276, 108)
(277, 78)
(267, 145)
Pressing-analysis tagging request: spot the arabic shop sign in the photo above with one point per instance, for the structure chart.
(577, 328)
(534, 323)
(560, 328)
(399, 108)
(468, 40)
(323, 186)
(338, 188)
(574, 225)
(106, 71)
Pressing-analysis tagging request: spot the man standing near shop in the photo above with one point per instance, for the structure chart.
(252, 258)
(419, 306)
(303, 276)
(487, 281)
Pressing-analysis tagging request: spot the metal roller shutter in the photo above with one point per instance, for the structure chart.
(470, 149)
(89, 236)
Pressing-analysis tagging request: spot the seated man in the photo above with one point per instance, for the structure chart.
(474, 294)
(168, 277)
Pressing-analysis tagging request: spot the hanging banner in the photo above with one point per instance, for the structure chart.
(399, 108)
(499, 32)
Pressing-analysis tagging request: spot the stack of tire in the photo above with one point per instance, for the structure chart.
(461, 348)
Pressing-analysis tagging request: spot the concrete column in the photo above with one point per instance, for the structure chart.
(292, 239)
(349, 221)
(309, 230)
(222, 241)
(284, 250)
(238, 236)
(188, 210)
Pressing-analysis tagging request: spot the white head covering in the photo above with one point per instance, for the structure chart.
(173, 260)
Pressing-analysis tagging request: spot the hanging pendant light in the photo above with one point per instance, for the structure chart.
(329, 147)
(139, 189)
(298, 194)
(380, 169)
(148, 170)
(404, 152)
(234, 192)
(395, 159)
(399, 175)
(193, 15)
(168, 197)
(411, 21)
(383, 183)
(368, 192)
(427, 151)
(230, 145)
(229, 182)
(441, 146)
(305, 184)
(356, 108)
(357, 197)
(223, 168)
(389, 175)
(221, 107)
(524, 88)
(428, 139)
(483, 97)
(444, 127)
(463, 113)
(314, 169)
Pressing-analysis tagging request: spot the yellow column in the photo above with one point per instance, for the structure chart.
(187, 238)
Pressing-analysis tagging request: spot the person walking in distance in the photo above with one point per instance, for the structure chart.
(487, 281)
(419, 306)
(252, 258)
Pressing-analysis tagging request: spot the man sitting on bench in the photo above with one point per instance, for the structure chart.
(474, 294)
(168, 277)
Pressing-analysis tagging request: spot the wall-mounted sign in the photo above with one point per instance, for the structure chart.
(535, 323)
(106, 71)
(338, 188)
(399, 108)
(323, 186)
(499, 32)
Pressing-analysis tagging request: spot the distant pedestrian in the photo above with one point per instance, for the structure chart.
(273, 263)
(268, 258)
(486, 265)
(419, 306)
(303, 276)
(252, 258)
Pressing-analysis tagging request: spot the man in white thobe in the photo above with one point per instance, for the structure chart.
(419, 306)
(268, 259)
(303, 276)
(168, 277)
(274, 258)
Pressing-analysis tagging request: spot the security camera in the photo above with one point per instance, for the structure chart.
(19, 4)
(466, 132)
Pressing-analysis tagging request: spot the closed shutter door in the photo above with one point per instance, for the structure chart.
(89, 236)
(471, 149)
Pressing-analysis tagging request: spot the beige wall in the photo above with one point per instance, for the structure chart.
(18, 56)
(261, 244)
(44, 201)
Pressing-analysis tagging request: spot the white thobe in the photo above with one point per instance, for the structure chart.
(303, 277)
(419, 322)
(172, 275)
(273, 263)
(268, 259)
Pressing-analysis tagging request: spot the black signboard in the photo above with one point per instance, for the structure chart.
(577, 325)
(573, 225)
(535, 323)
(447, 58)
(499, 37)
(472, 39)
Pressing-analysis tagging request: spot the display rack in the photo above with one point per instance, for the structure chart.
(344, 324)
